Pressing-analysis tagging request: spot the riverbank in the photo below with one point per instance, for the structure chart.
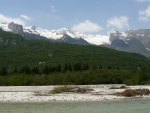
(41, 93)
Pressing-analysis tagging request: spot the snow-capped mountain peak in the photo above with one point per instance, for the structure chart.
(56, 34)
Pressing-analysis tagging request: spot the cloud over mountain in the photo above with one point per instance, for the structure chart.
(25, 17)
(6, 19)
(86, 27)
(144, 15)
(118, 22)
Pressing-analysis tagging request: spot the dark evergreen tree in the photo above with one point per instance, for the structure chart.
(36, 70)
(50, 69)
(86, 66)
(46, 70)
(54, 69)
(94, 67)
(69, 67)
(100, 66)
(77, 67)
(3, 71)
(118, 68)
(66, 68)
(109, 67)
(58, 68)
(27, 70)
(15, 70)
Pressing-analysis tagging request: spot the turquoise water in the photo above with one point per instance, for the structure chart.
(122, 106)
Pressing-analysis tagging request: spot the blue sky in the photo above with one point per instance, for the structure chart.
(85, 16)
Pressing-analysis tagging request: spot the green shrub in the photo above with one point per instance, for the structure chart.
(74, 89)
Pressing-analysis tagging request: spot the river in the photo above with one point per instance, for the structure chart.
(115, 106)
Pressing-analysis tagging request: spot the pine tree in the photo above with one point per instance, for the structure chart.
(69, 67)
(66, 68)
(35, 70)
(27, 70)
(100, 66)
(86, 67)
(15, 70)
(3, 71)
(58, 68)
(46, 70)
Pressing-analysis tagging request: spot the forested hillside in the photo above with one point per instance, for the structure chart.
(38, 62)
(41, 53)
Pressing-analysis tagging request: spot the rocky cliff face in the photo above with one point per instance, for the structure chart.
(137, 41)
(15, 28)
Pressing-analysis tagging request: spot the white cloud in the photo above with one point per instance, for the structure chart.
(25, 17)
(144, 15)
(118, 22)
(53, 9)
(142, 0)
(6, 19)
(86, 27)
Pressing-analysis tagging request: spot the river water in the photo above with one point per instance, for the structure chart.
(115, 106)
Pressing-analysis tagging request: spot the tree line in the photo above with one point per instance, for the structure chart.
(79, 74)
(49, 69)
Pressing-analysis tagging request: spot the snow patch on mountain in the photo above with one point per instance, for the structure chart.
(94, 39)
(50, 34)
(58, 34)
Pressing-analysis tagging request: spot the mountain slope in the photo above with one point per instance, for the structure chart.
(40, 53)
(7, 38)
(136, 41)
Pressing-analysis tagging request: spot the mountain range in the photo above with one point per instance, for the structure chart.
(17, 52)
(135, 41)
